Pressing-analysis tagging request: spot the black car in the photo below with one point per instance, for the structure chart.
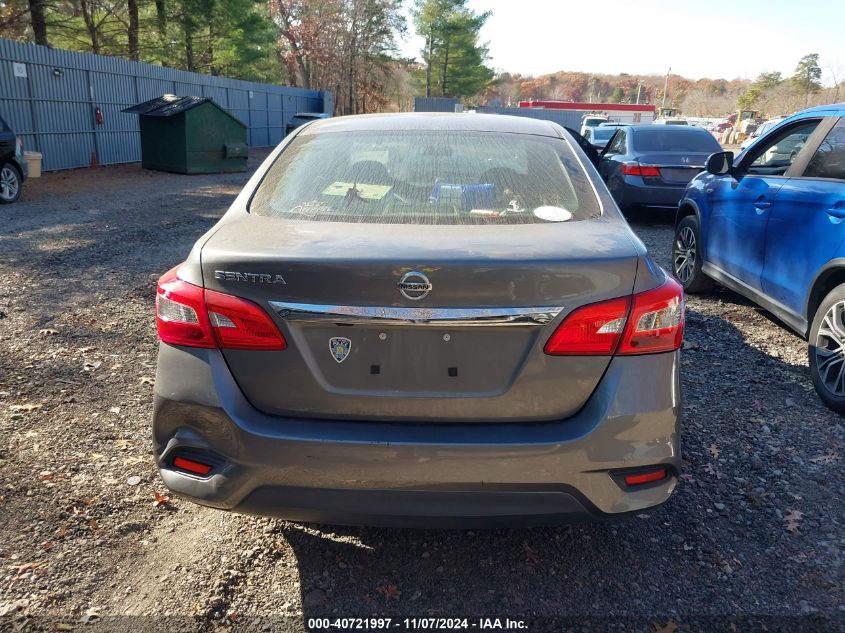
(301, 118)
(13, 168)
(651, 165)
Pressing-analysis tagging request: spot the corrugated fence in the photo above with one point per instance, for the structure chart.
(566, 118)
(435, 104)
(50, 96)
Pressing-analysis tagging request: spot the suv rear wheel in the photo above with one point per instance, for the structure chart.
(10, 183)
(827, 350)
(686, 257)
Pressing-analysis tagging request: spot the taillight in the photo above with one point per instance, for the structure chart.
(656, 323)
(635, 169)
(191, 316)
(591, 330)
(180, 314)
(645, 323)
(241, 324)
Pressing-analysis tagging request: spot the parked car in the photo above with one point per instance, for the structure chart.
(590, 121)
(13, 166)
(649, 165)
(769, 225)
(614, 124)
(420, 319)
(599, 136)
(301, 118)
(759, 131)
(672, 121)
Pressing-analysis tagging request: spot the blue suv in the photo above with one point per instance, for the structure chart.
(769, 225)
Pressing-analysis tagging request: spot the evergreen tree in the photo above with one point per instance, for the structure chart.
(807, 76)
(454, 59)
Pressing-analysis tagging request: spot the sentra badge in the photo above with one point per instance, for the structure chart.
(255, 278)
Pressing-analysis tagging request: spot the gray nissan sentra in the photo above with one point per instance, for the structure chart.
(421, 319)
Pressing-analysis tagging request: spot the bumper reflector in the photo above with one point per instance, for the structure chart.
(646, 477)
(197, 468)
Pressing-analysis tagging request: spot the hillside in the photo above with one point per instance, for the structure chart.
(695, 97)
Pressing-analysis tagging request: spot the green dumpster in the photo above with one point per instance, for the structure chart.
(190, 135)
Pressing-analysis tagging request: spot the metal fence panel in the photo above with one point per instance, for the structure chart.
(566, 118)
(435, 104)
(220, 95)
(50, 96)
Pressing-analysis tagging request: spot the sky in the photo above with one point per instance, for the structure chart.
(703, 38)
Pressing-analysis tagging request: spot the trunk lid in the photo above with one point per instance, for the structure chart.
(471, 349)
(676, 168)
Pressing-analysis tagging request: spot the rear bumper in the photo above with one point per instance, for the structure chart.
(414, 474)
(636, 192)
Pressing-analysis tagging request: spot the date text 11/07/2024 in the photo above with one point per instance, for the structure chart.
(415, 624)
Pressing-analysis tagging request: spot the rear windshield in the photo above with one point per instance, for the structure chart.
(676, 139)
(426, 177)
(603, 133)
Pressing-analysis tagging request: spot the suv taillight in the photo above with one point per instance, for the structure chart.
(194, 317)
(645, 323)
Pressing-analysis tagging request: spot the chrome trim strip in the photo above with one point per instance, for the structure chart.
(416, 316)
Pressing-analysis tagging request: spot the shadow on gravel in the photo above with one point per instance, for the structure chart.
(651, 217)
(719, 547)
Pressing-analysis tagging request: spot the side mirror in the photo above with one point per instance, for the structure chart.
(719, 163)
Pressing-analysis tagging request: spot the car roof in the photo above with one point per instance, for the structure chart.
(831, 109)
(465, 122)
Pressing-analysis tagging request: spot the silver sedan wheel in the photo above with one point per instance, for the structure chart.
(684, 255)
(830, 349)
(9, 183)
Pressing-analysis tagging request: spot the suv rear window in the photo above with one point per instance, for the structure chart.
(675, 139)
(425, 177)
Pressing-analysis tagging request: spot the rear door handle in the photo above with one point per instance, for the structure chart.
(837, 210)
(761, 204)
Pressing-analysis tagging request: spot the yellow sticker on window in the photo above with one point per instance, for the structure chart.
(365, 191)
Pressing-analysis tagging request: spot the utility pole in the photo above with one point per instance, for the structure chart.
(665, 88)
(639, 87)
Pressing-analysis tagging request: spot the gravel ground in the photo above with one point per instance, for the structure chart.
(753, 539)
